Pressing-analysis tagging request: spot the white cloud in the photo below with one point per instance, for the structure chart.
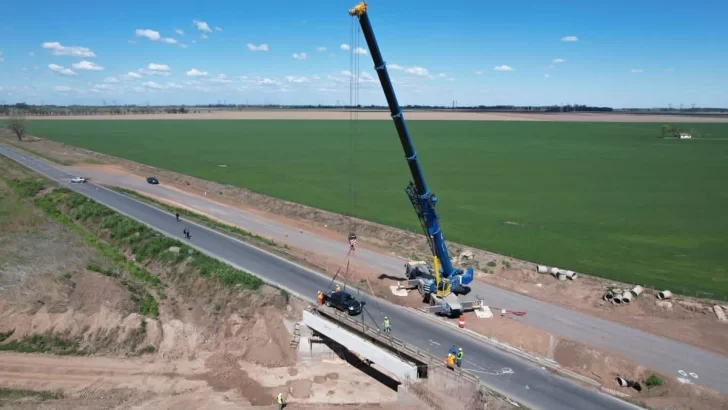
(502, 68)
(88, 66)
(202, 26)
(152, 84)
(316, 78)
(268, 81)
(173, 85)
(61, 50)
(260, 47)
(203, 36)
(299, 56)
(32, 54)
(196, 73)
(559, 60)
(320, 48)
(221, 79)
(104, 87)
(218, 28)
(361, 51)
(154, 36)
(150, 34)
(345, 47)
(111, 80)
(180, 32)
(194, 41)
(479, 72)
(62, 88)
(183, 45)
(547, 75)
(131, 75)
(570, 38)
(418, 71)
(297, 80)
(61, 70)
(158, 67)
(638, 70)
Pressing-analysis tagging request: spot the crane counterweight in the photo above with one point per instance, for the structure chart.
(444, 275)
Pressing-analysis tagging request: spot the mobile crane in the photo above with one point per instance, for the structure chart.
(436, 282)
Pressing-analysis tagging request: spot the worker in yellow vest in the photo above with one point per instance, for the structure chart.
(459, 357)
(320, 298)
(387, 327)
(450, 361)
(280, 401)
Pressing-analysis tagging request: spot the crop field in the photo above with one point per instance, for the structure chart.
(609, 199)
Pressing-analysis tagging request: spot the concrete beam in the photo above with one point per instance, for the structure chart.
(399, 368)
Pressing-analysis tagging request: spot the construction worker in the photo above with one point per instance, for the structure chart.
(459, 357)
(176, 215)
(449, 360)
(320, 297)
(280, 401)
(387, 327)
(338, 288)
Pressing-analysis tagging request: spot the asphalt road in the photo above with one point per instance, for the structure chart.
(522, 380)
(656, 352)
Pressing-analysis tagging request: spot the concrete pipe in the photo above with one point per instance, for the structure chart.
(665, 294)
(617, 299)
(638, 290)
(570, 274)
(609, 296)
(622, 382)
(542, 269)
(561, 275)
(626, 298)
(555, 271)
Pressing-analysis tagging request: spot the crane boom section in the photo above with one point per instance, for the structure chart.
(422, 199)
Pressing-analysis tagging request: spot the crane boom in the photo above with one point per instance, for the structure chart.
(422, 199)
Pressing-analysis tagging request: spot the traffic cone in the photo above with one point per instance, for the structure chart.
(461, 321)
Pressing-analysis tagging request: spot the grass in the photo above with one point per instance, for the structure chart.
(44, 343)
(8, 395)
(82, 214)
(610, 199)
(654, 381)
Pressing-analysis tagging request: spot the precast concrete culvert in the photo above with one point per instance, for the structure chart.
(665, 294)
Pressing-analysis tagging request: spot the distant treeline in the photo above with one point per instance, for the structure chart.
(41, 110)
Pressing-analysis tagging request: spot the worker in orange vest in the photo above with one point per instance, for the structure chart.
(320, 298)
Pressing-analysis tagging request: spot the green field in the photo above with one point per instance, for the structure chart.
(609, 199)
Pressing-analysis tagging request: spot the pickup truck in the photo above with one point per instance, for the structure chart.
(343, 302)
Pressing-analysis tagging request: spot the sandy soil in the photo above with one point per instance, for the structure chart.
(384, 115)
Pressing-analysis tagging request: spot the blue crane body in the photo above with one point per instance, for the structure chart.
(422, 199)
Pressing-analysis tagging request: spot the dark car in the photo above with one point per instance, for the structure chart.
(344, 302)
(153, 180)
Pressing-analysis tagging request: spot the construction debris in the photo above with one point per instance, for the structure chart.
(483, 312)
(665, 294)
(719, 312)
(629, 383)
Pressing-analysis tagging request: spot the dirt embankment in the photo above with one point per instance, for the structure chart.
(208, 347)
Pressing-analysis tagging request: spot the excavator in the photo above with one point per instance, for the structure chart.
(436, 282)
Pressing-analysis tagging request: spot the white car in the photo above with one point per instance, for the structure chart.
(78, 179)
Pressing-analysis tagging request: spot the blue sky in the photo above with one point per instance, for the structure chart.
(626, 53)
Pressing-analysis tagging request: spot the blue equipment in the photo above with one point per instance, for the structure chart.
(441, 280)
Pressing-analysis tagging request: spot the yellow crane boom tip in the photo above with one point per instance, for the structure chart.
(359, 9)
